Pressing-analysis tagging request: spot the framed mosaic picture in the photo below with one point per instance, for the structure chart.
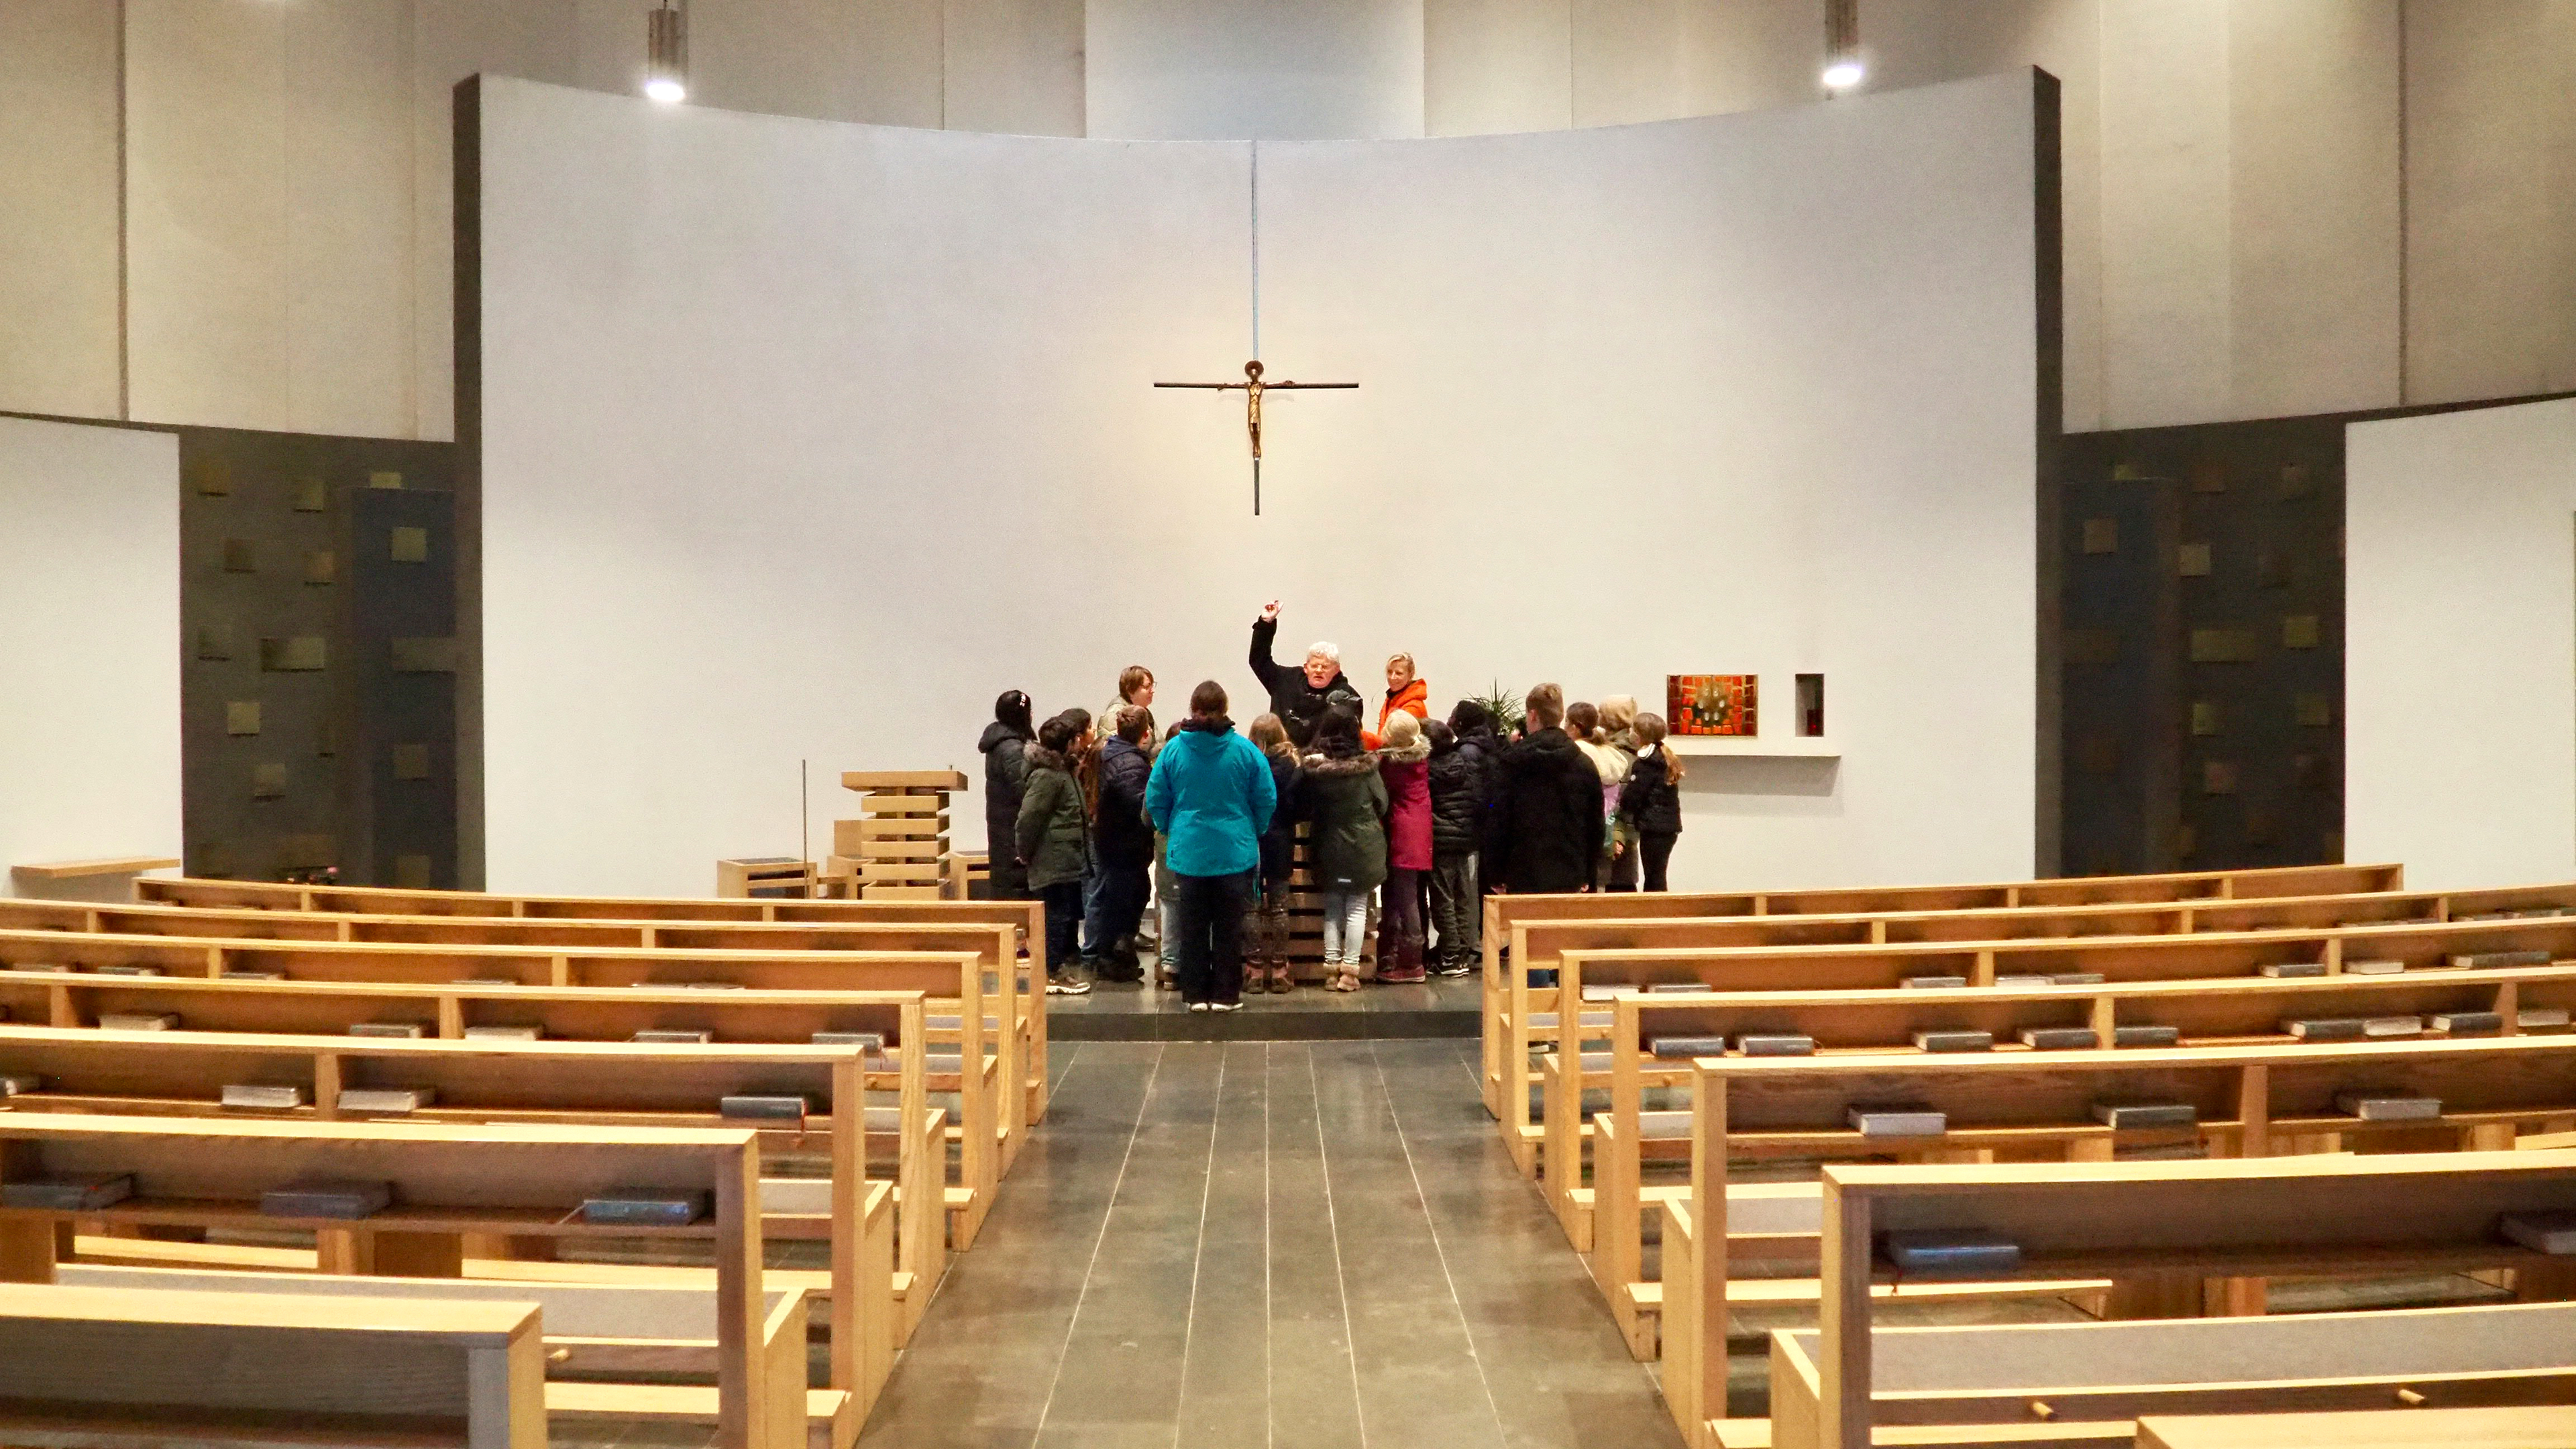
(1712, 704)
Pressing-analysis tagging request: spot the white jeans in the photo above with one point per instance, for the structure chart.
(1345, 927)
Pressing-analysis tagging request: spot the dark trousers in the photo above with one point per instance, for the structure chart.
(1265, 921)
(1456, 914)
(1064, 925)
(1399, 926)
(1010, 879)
(1211, 923)
(1113, 901)
(1622, 874)
(1658, 851)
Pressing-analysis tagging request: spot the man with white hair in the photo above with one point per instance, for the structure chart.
(1300, 696)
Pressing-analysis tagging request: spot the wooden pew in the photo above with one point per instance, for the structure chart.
(2419, 945)
(128, 1365)
(998, 940)
(1027, 919)
(1529, 1014)
(1502, 912)
(989, 1136)
(2225, 1012)
(2533, 1426)
(2259, 1101)
(2179, 1222)
(449, 1182)
(447, 1012)
(589, 1083)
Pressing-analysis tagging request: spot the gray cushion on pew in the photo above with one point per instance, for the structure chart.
(1597, 1061)
(1663, 1126)
(1548, 1018)
(958, 1023)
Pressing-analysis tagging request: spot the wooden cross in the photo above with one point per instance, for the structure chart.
(1252, 387)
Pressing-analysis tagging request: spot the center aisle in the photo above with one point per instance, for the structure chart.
(1268, 1245)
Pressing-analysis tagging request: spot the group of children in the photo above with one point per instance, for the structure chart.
(1421, 815)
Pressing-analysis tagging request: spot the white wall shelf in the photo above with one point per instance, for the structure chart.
(1785, 747)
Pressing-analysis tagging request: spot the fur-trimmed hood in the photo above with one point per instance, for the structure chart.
(1419, 750)
(1329, 767)
(1042, 758)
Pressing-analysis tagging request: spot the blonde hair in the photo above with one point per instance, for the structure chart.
(1545, 707)
(1618, 712)
(1403, 731)
(1410, 669)
(1650, 733)
(1270, 735)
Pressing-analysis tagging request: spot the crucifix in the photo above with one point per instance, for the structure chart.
(1252, 387)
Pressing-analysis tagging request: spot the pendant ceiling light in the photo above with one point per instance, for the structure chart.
(1843, 69)
(666, 55)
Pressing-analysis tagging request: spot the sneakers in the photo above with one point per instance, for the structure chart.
(1222, 1006)
(1453, 968)
(1202, 1006)
(1060, 985)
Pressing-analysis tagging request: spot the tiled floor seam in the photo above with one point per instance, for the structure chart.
(1439, 1249)
(1135, 1132)
(1198, 1257)
(1332, 1219)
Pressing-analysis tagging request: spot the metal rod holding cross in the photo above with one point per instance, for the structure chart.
(1252, 387)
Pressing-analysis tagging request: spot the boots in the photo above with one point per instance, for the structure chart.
(1399, 962)
(1283, 977)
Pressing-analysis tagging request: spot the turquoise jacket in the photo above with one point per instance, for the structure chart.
(1211, 796)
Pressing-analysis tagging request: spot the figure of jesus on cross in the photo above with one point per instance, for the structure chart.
(1252, 387)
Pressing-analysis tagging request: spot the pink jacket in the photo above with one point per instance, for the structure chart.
(1408, 817)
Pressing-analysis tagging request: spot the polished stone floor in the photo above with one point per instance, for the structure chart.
(1290, 1245)
(1132, 1011)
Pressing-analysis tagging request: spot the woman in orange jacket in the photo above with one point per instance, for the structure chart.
(1405, 691)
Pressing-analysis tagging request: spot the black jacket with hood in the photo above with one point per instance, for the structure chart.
(1298, 704)
(1279, 842)
(1549, 830)
(1006, 779)
(1457, 800)
(1651, 801)
(1121, 833)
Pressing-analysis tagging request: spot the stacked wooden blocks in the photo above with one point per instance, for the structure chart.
(898, 849)
(1306, 920)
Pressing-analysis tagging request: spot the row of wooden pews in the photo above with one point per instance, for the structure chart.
(2241, 1023)
(1525, 934)
(257, 1014)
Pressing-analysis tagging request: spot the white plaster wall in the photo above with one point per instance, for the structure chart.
(89, 662)
(1197, 70)
(2460, 617)
(2491, 214)
(807, 440)
(61, 345)
(2232, 176)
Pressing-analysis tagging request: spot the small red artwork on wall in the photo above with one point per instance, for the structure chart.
(1712, 704)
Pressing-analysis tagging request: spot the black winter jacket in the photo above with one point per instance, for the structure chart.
(1122, 834)
(1551, 829)
(1006, 778)
(1298, 704)
(1650, 801)
(1484, 749)
(1457, 801)
(1279, 842)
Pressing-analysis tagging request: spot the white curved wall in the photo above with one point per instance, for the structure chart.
(805, 439)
